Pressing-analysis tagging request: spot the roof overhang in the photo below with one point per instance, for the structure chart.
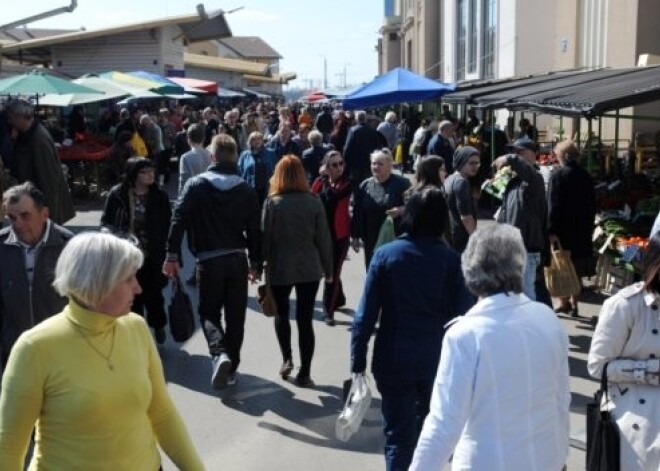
(198, 27)
(225, 64)
(276, 78)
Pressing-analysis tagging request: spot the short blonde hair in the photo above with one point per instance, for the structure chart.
(254, 135)
(390, 116)
(92, 264)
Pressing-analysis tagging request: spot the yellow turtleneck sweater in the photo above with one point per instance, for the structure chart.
(89, 416)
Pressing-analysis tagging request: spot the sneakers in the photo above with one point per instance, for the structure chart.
(286, 369)
(160, 335)
(303, 381)
(328, 320)
(221, 364)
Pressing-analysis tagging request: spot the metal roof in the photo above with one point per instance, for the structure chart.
(276, 78)
(589, 99)
(503, 98)
(250, 47)
(196, 27)
(224, 63)
(467, 93)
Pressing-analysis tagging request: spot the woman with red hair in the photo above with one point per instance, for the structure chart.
(297, 248)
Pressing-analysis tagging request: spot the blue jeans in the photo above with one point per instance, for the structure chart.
(405, 406)
(529, 276)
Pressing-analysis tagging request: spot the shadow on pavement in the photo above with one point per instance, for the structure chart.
(190, 371)
(255, 396)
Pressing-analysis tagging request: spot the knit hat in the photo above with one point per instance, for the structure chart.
(461, 156)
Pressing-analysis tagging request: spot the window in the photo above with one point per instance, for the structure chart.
(461, 24)
(472, 37)
(488, 44)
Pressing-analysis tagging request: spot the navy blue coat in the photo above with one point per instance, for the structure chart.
(415, 285)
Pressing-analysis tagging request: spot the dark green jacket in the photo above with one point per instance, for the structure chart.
(297, 246)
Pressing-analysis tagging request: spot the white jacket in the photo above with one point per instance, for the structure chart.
(627, 337)
(501, 396)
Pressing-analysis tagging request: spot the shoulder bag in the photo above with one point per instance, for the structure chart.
(265, 296)
(603, 441)
(180, 310)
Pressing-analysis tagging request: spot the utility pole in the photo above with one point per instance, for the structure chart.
(325, 73)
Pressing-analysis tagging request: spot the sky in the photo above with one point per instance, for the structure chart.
(305, 32)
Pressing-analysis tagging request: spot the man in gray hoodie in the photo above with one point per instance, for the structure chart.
(220, 213)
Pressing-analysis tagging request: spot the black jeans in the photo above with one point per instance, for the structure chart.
(152, 281)
(305, 296)
(223, 285)
(333, 294)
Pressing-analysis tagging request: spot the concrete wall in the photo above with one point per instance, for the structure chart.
(171, 48)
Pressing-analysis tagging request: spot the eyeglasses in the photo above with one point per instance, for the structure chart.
(337, 164)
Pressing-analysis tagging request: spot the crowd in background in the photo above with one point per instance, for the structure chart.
(280, 194)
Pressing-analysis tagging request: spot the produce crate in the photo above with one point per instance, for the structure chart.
(611, 275)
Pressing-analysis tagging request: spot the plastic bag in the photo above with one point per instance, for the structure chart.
(356, 407)
(386, 233)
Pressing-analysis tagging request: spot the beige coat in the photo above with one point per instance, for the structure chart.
(629, 329)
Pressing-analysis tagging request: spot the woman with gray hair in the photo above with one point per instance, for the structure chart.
(509, 357)
(90, 378)
(375, 199)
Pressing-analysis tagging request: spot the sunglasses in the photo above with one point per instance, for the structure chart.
(337, 164)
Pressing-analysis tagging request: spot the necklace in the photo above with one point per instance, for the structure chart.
(107, 357)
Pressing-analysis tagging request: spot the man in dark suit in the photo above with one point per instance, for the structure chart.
(362, 140)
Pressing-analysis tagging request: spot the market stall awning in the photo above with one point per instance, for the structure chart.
(164, 85)
(468, 92)
(256, 93)
(557, 86)
(139, 82)
(397, 86)
(227, 93)
(39, 82)
(204, 85)
(629, 88)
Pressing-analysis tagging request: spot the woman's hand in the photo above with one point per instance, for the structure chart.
(395, 212)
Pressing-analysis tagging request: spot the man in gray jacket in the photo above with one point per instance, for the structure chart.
(29, 249)
(524, 206)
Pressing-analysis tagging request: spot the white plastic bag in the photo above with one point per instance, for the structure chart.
(356, 407)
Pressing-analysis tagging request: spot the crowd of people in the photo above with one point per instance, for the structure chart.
(469, 357)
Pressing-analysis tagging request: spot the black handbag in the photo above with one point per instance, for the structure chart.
(603, 441)
(180, 311)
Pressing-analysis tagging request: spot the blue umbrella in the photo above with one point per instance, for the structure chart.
(397, 86)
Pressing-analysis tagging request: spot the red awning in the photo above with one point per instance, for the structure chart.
(206, 85)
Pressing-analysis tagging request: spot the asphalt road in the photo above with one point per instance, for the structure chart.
(264, 422)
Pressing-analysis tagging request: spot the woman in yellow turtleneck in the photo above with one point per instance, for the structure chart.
(90, 378)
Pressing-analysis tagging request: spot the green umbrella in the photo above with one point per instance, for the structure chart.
(38, 82)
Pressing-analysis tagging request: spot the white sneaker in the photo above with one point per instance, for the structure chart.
(221, 365)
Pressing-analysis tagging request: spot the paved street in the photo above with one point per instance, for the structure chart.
(266, 422)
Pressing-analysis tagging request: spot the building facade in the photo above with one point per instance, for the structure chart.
(463, 40)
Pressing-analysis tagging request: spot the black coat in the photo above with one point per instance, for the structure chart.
(116, 217)
(360, 143)
(572, 209)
